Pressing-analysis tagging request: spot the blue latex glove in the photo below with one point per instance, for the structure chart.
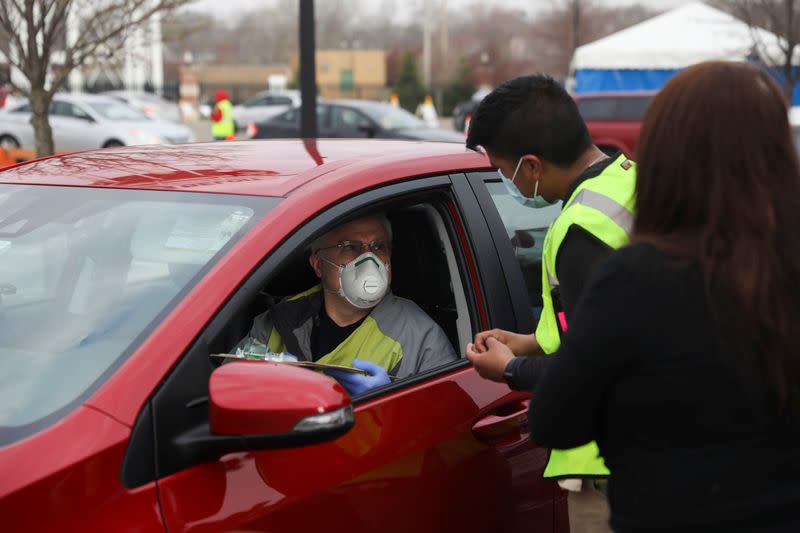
(355, 383)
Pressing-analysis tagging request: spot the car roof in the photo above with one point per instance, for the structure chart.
(255, 167)
(277, 92)
(359, 104)
(85, 98)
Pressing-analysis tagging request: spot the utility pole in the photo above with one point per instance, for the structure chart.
(308, 71)
(426, 45)
(576, 24)
(444, 52)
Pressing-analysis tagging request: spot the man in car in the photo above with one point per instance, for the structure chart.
(531, 130)
(351, 318)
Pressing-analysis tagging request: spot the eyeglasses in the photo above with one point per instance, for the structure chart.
(349, 250)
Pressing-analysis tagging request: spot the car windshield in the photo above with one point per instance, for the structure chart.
(393, 118)
(117, 111)
(85, 274)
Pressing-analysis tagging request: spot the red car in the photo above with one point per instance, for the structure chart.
(614, 119)
(123, 271)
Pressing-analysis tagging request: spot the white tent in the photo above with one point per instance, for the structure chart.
(645, 55)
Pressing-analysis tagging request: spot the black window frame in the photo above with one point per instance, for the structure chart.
(523, 309)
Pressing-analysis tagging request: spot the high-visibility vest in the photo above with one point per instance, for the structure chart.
(604, 207)
(225, 127)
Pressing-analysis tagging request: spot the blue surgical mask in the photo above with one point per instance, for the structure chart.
(535, 202)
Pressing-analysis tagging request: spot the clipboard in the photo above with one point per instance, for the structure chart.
(304, 364)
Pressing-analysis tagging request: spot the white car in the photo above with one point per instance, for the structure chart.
(150, 104)
(86, 121)
(263, 106)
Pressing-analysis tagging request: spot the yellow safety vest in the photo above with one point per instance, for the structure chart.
(604, 207)
(225, 127)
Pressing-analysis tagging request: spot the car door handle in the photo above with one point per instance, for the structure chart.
(507, 419)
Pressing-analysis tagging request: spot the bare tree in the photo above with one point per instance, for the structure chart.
(782, 18)
(572, 23)
(51, 38)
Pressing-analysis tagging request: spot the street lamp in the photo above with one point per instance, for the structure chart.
(308, 71)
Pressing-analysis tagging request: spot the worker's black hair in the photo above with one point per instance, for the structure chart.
(530, 115)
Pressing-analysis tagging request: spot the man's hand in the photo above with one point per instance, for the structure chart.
(492, 361)
(518, 343)
(355, 383)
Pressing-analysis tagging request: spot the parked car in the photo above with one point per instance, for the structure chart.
(150, 104)
(84, 121)
(353, 119)
(263, 106)
(463, 111)
(123, 271)
(614, 119)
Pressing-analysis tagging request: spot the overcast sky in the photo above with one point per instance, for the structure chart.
(408, 6)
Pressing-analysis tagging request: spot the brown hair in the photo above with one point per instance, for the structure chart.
(719, 183)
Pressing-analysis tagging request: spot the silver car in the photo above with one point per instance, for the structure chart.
(150, 104)
(263, 106)
(85, 121)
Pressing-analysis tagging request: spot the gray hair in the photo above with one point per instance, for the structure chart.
(316, 244)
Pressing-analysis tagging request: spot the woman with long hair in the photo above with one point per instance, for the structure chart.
(687, 342)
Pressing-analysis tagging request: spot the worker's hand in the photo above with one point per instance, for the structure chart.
(355, 383)
(491, 362)
(519, 343)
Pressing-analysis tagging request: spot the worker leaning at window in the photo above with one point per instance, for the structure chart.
(531, 130)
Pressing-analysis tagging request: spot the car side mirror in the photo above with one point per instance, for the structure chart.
(255, 405)
(283, 402)
(522, 239)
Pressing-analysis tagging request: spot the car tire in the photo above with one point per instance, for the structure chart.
(113, 143)
(8, 141)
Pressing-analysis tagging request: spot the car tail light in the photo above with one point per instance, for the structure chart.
(252, 130)
(149, 111)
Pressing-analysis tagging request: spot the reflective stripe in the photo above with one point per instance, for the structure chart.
(550, 278)
(606, 205)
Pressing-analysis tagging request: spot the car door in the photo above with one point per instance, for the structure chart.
(73, 128)
(517, 232)
(350, 123)
(19, 125)
(441, 451)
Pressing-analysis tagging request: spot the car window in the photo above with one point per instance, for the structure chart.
(290, 117)
(59, 108)
(392, 118)
(117, 111)
(526, 228)
(24, 108)
(75, 111)
(424, 271)
(632, 108)
(264, 100)
(598, 108)
(796, 136)
(346, 119)
(92, 269)
(280, 100)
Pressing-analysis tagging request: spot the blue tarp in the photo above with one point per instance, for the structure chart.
(612, 80)
(601, 81)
